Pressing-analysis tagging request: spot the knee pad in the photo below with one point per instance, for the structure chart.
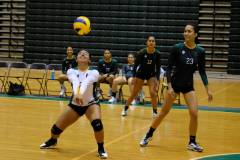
(97, 125)
(55, 130)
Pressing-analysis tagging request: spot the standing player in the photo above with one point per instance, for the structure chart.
(186, 57)
(82, 102)
(146, 67)
(68, 62)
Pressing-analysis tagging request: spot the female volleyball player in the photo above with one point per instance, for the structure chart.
(68, 62)
(126, 77)
(186, 57)
(146, 67)
(82, 102)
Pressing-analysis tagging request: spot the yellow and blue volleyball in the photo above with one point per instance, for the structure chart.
(82, 25)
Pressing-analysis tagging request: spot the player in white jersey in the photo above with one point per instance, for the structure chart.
(82, 102)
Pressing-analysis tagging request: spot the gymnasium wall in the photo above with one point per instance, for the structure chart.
(118, 25)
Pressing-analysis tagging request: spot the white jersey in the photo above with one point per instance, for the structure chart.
(82, 81)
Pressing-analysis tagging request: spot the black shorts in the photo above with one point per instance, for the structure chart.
(81, 110)
(128, 77)
(144, 76)
(182, 89)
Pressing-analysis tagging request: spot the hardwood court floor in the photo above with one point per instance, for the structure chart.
(25, 123)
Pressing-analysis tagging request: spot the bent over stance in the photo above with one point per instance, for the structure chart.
(82, 102)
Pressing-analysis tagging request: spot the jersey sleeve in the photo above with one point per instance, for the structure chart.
(171, 62)
(92, 76)
(72, 77)
(201, 67)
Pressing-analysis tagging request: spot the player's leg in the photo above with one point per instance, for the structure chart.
(153, 86)
(167, 105)
(68, 117)
(118, 80)
(130, 85)
(191, 101)
(62, 78)
(138, 83)
(93, 114)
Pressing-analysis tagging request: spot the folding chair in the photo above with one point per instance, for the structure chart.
(53, 72)
(37, 72)
(16, 73)
(3, 73)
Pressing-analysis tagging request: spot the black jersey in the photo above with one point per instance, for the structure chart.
(68, 63)
(186, 61)
(147, 64)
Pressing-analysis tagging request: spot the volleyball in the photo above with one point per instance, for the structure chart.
(82, 25)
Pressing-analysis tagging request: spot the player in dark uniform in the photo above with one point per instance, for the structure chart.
(146, 67)
(186, 57)
(83, 102)
(68, 62)
(107, 68)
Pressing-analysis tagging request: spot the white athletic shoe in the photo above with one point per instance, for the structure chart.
(112, 100)
(194, 147)
(63, 91)
(124, 113)
(102, 155)
(134, 102)
(145, 140)
(154, 115)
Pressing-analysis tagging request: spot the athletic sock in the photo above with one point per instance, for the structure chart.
(155, 111)
(100, 147)
(150, 132)
(192, 139)
(126, 108)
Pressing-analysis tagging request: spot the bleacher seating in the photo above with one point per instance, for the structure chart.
(234, 49)
(119, 25)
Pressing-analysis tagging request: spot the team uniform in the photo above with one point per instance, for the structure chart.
(186, 62)
(127, 70)
(68, 63)
(83, 82)
(107, 68)
(147, 65)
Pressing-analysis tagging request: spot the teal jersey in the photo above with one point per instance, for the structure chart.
(68, 63)
(108, 68)
(186, 62)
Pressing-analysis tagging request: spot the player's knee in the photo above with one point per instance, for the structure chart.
(97, 125)
(55, 130)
